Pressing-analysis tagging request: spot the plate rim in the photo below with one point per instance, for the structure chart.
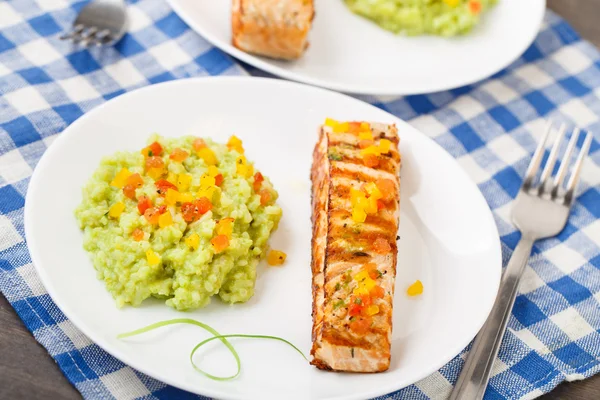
(266, 66)
(99, 340)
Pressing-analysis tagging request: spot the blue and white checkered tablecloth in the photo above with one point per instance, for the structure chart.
(491, 128)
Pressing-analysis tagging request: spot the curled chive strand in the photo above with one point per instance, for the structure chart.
(216, 335)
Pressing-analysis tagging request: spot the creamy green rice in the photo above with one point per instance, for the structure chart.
(185, 277)
(418, 17)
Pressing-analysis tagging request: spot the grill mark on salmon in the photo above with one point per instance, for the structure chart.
(341, 247)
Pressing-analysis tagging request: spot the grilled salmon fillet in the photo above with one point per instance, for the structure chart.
(354, 252)
(272, 28)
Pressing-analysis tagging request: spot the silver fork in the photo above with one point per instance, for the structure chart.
(100, 22)
(540, 211)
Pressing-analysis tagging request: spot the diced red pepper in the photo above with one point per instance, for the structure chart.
(162, 209)
(219, 179)
(258, 180)
(354, 309)
(193, 211)
(380, 205)
(365, 300)
(204, 205)
(156, 149)
(144, 203)
(163, 185)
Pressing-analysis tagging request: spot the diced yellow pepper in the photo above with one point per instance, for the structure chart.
(116, 210)
(193, 241)
(373, 191)
(371, 207)
(365, 126)
(207, 181)
(207, 155)
(361, 276)
(243, 168)
(360, 291)
(207, 192)
(235, 143)
(342, 127)
(276, 257)
(331, 122)
(213, 171)
(368, 283)
(165, 219)
(155, 173)
(172, 177)
(152, 257)
(372, 309)
(384, 146)
(120, 178)
(370, 150)
(355, 195)
(185, 198)
(452, 3)
(362, 203)
(366, 135)
(225, 227)
(358, 214)
(171, 197)
(415, 289)
(183, 182)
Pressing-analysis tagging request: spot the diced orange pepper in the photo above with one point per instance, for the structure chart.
(276, 257)
(381, 246)
(363, 144)
(178, 155)
(475, 7)
(354, 127)
(137, 234)
(154, 162)
(265, 197)
(371, 160)
(152, 214)
(220, 243)
(218, 180)
(199, 144)
(377, 292)
(360, 325)
(387, 188)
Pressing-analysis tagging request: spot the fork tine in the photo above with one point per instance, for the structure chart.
(77, 29)
(536, 159)
(574, 179)
(88, 36)
(564, 165)
(547, 172)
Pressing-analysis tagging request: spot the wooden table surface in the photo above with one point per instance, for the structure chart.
(28, 372)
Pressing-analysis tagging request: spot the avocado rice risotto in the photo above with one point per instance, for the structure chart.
(182, 220)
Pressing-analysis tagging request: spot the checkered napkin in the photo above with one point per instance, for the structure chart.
(491, 129)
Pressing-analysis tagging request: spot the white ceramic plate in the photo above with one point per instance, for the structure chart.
(351, 54)
(448, 240)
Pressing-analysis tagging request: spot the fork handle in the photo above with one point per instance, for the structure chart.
(475, 374)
